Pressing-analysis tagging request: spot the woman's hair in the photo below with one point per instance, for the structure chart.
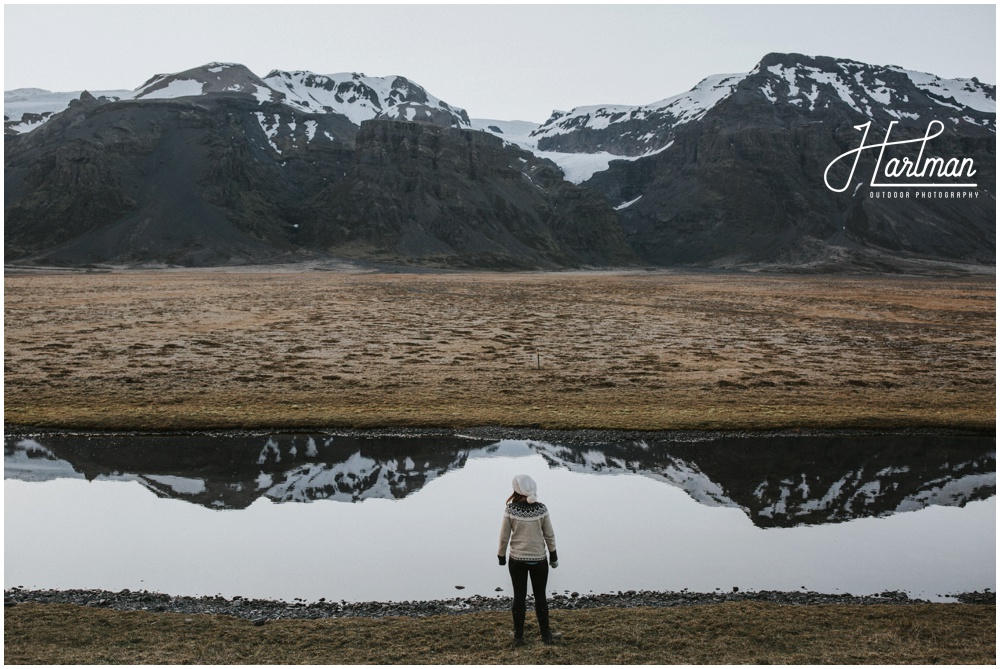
(517, 498)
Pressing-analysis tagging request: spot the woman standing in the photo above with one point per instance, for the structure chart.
(528, 530)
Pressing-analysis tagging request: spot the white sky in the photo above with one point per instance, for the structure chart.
(497, 61)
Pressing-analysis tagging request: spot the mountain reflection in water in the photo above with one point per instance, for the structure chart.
(782, 481)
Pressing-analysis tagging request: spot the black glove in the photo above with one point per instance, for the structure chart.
(502, 559)
(553, 559)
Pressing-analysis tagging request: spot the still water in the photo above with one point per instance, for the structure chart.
(347, 517)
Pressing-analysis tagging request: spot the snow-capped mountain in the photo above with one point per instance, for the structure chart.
(728, 174)
(873, 92)
(584, 140)
(870, 90)
(636, 130)
(355, 96)
(744, 184)
(777, 484)
(218, 166)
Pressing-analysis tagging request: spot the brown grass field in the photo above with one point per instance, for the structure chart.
(193, 350)
(746, 633)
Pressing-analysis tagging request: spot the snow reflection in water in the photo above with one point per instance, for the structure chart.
(832, 514)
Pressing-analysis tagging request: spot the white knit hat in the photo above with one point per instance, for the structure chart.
(525, 485)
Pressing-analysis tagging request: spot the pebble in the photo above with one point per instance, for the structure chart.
(260, 611)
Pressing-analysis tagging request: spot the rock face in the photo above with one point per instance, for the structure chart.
(188, 181)
(455, 197)
(215, 165)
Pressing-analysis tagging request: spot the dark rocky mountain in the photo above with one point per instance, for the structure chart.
(217, 166)
(214, 166)
(738, 179)
(189, 181)
(776, 482)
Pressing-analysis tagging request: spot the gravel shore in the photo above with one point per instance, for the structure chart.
(580, 438)
(262, 610)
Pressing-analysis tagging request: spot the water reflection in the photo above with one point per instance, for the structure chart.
(776, 481)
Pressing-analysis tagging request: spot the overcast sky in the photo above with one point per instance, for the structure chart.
(497, 61)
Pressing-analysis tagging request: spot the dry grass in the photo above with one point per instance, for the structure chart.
(174, 350)
(747, 633)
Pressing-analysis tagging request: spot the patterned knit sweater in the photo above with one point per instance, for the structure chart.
(528, 530)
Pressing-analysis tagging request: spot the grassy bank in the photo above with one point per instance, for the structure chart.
(190, 350)
(744, 633)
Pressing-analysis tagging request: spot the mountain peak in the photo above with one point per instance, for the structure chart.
(657, 120)
(879, 92)
(360, 97)
(209, 78)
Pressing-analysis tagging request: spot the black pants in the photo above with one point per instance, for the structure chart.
(539, 573)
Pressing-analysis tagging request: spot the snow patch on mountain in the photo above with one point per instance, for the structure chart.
(516, 133)
(694, 104)
(310, 130)
(356, 96)
(270, 128)
(180, 484)
(178, 88)
(262, 94)
(626, 205)
(357, 478)
(867, 90)
(966, 92)
(27, 123)
(798, 77)
(950, 492)
(675, 110)
(577, 167)
(676, 472)
(225, 78)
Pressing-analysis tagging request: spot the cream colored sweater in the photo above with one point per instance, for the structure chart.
(528, 530)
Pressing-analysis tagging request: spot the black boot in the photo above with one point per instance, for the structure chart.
(548, 636)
